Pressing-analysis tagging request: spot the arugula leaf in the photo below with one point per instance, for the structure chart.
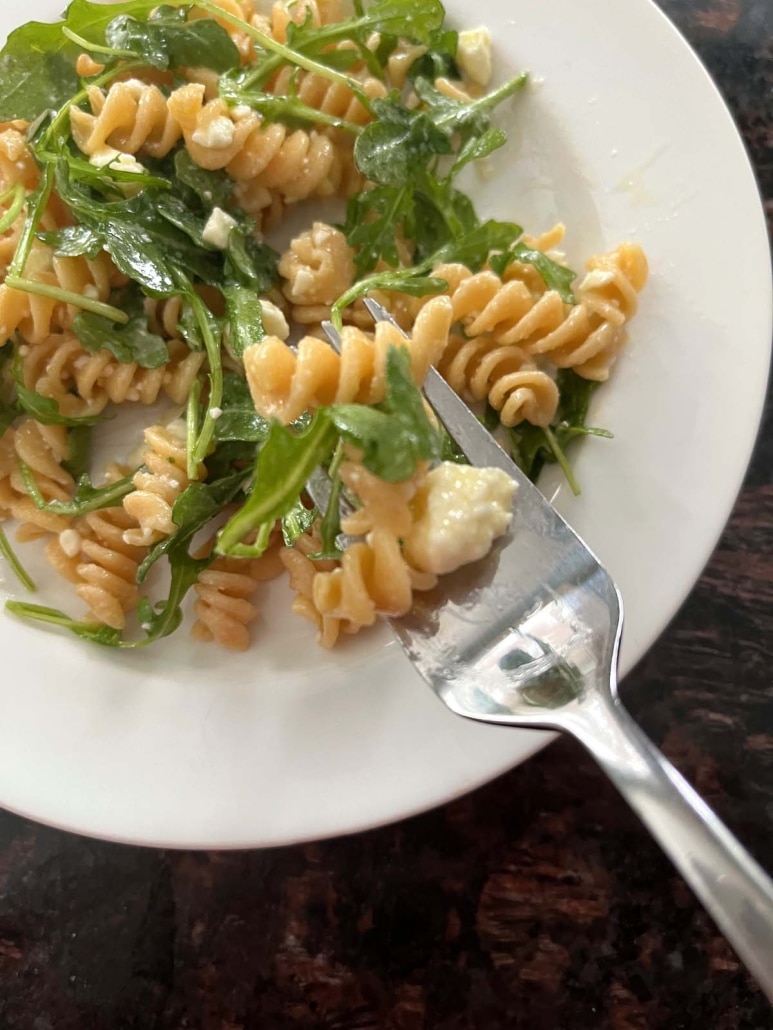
(78, 460)
(419, 20)
(197, 505)
(245, 318)
(37, 71)
(440, 58)
(73, 241)
(135, 253)
(213, 189)
(86, 497)
(471, 249)
(556, 277)
(169, 40)
(249, 262)
(91, 631)
(371, 220)
(390, 150)
(87, 18)
(239, 420)
(284, 464)
(132, 343)
(395, 434)
(474, 247)
(15, 565)
(46, 410)
(297, 521)
(478, 147)
(164, 618)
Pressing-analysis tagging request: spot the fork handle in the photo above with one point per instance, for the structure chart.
(734, 889)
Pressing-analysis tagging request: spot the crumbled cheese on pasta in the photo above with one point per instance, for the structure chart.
(460, 510)
(219, 133)
(274, 321)
(218, 228)
(127, 163)
(103, 156)
(473, 55)
(70, 541)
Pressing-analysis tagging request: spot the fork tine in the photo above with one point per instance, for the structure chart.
(333, 335)
(379, 313)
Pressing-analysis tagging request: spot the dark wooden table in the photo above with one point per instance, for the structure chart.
(539, 902)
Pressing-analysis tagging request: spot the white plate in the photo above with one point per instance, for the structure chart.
(622, 136)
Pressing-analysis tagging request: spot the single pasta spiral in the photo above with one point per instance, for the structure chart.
(107, 571)
(129, 117)
(317, 268)
(373, 576)
(584, 336)
(158, 483)
(483, 303)
(224, 608)
(83, 382)
(285, 384)
(302, 572)
(504, 375)
(296, 164)
(43, 449)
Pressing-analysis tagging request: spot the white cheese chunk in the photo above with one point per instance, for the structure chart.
(127, 163)
(103, 156)
(218, 228)
(473, 55)
(274, 321)
(460, 511)
(219, 133)
(70, 541)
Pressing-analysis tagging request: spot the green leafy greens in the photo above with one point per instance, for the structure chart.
(152, 218)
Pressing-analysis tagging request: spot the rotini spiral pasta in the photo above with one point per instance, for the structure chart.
(158, 483)
(504, 375)
(43, 449)
(129, 117)
(302, 571)
(296, 164)
(83, 382)
(317, 268)
(584, 336)
(203, 153)
(284, 384)
(224, 609)
(107, 573)
(373, 576)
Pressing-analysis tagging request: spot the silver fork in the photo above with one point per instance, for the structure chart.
(529, 637)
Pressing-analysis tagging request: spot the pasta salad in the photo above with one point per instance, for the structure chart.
(148, 155)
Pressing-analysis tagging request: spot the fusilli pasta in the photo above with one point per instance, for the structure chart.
(158, 483)
(285, 384)
(43, 449)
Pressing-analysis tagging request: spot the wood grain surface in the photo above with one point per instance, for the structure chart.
(538, 902)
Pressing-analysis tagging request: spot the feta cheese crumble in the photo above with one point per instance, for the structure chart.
(460, 510)
(473, 55)
(219, 133)
(218, 228)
